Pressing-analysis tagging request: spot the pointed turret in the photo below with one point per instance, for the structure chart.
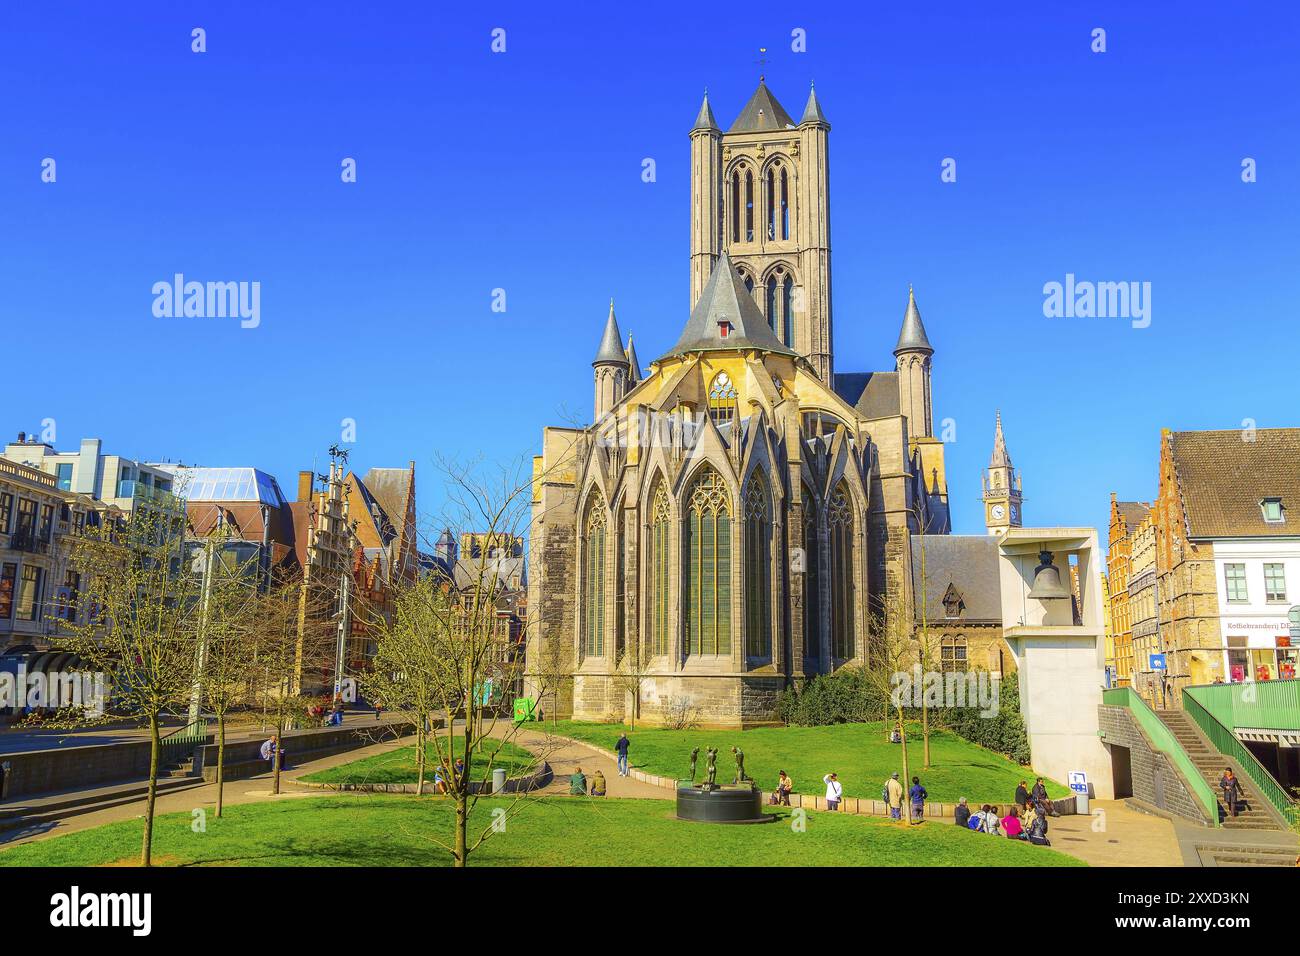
(726, 318)
(812, 112)
(705, 120)
(762, 112)
(912, 337)
(999, 458)
(611, 344)
(633, 366)
(611, 367)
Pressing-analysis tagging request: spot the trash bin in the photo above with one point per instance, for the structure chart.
(498, 779)
(1081, 802)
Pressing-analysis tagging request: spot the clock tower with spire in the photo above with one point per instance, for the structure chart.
(1001, 488)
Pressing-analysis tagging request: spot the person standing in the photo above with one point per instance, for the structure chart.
(834, 792)
(918, 795)
(894, 797)
(622, 746)
(1231, 788)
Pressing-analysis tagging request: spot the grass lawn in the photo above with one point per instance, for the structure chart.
(859, 753)
(395, 831)
(398, 766)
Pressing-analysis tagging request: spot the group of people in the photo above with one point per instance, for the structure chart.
(1025, 819)
(580, 786)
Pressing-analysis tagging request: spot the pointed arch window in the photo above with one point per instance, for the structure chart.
(708, 567)
(735, 204)
(660, 514)
(758, 570)
(769, 200)
(952, 655)
(593, 581)
(812, 605)
(749, 206)
(785, 204)
(722, 399)
(839, 521)
(787, 310)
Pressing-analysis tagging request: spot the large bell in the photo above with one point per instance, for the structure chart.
(1047, 580)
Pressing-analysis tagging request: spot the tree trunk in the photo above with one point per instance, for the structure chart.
(907, 773)
(155, 749)
(460, 853)
(275, 787)
(925, 731)
(419, 754)
(221, 760)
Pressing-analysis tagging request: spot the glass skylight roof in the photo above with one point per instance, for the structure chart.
(229, 484)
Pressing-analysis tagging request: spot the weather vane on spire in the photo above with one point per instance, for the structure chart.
(762, 61)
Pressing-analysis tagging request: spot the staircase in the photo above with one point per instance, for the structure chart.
(1251, 812)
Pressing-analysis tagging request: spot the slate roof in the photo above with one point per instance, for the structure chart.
(1223, 476)
(725, 299)
(611, 343)
(967, 562)
(912, 337)
(812, 111)
(705, 118)
(873, 394)
(762, 113)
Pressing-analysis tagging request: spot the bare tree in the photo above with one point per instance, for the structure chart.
(892, 653)
(141, 625)
(631, 673)
(293, 645)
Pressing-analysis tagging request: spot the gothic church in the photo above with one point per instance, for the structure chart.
(737, 515)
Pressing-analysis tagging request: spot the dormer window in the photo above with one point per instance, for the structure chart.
(953, 605)
(1272, 510)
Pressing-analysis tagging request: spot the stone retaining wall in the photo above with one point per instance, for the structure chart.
(525, 784)
(1064, 806)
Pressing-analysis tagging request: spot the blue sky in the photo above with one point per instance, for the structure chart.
(522, 171)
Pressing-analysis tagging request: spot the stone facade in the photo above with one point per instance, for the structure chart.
(1155, 780)
(734, 519)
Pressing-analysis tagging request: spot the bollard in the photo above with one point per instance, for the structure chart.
(498, 779)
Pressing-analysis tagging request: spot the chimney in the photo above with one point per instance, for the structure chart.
(304, 485)
(22, 437)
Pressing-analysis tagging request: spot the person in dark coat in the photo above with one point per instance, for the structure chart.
(1022, 796)
(961, 816)
(1039, 795)
(1037, 833)
(1231, 788)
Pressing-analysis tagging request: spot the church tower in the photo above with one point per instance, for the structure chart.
(611, 368)
(761, 191)
(1001, 488)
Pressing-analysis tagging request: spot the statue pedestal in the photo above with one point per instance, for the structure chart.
(726, 804)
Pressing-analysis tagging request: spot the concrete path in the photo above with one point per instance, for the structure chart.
(1118, 836)
(566, 756)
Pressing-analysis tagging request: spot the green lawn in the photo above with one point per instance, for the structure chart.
(396, 830)
(859, 753)
(398, 766)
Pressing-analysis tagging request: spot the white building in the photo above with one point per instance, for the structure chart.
(1258, 583)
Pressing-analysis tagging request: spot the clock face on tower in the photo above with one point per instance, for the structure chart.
(998, 512)
(1015, 513)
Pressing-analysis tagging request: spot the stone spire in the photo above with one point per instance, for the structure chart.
(999, 458)
(912, 337)
(705, 120)
(611, 344)
(634, 367)
(812, 112)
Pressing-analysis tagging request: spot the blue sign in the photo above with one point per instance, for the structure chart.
(1158, 662)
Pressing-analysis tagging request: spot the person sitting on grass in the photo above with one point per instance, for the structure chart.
(578, 783)
(1038, 828)
(597, 784)
(992, 825)
(918, 795)
(1011, 824)
(1039, 795)
(440, 777)
(961, 816)
(976, 821)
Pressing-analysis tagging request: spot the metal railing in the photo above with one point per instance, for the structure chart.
(1163, 739)
(181, 743)
(1259, 705)
(1225, 742)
